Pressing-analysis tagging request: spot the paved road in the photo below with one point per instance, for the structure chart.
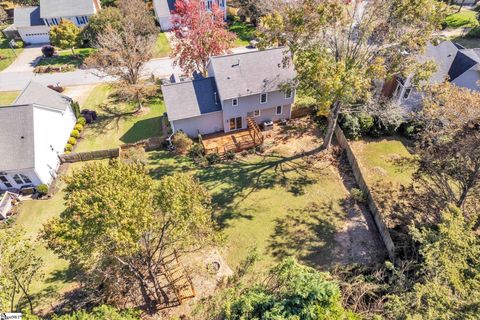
(14, 79)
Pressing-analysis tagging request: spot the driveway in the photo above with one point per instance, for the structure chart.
(26, 61)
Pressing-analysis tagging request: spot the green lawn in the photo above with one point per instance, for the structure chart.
(7, 56)
(464, 18)
(162, 47)
(469, 43)
(7, 97)
(67, 58)
(112, 130)
(385, 160)
(282, 206)
(244, 31)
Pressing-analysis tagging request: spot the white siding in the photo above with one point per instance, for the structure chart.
(30, 173)
(52, 130)
(37, 34)
(207, 123)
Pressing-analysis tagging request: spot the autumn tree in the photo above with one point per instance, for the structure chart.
(97, 23)
(66, 35)
(122, 53)
(449, 146)
(19, 267)
(120, 226)
(252, 9)
(199, 34)
(341, 48)
(448, 286)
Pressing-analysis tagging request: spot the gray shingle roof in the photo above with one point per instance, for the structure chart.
(190, 98)
(27, 17)
(16, 138)
(35, 93)
(65, 8)
(250, 73)
(163, 8)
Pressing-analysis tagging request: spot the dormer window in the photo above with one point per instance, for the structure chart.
(235, 102)
(263, 98)
(289, 93)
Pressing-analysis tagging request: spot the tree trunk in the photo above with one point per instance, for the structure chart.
(24, 290)
(332, 123)
(461, 6)
(146, 297)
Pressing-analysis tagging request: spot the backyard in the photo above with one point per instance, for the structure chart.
(7, 55)
(162, 46)
(245, 32)
(466, 18)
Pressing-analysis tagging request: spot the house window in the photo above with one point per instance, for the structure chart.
(288, 94)
(215, 97)
(234, 102)
(21, 179)
(279, 110)
(255, 114)
(263, 98)
(407, 92)
(4, 180)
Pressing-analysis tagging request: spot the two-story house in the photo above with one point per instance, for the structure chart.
(33, 23)
(239, 86)
(455, 64)
(164, 9)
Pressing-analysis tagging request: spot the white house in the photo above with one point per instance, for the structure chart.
(33, 23)
(164, 9)
(33, 133)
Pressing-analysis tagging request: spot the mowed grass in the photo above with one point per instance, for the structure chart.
(386, 160)
(281, 206)
(7, 55)
(7, 97)
(463, 19)
(162, 46)
(244, 31)
(67, 58)
(113, 129)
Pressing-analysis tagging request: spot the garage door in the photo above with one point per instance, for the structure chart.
(36, 38)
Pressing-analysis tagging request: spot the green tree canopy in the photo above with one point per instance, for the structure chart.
(66, 35)
(119, 226)
(104, 312)
(449, 284)
(109, 16)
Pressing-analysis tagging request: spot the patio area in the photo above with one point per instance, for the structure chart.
(233, 141)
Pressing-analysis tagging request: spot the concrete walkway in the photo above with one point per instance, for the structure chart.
(26, 60)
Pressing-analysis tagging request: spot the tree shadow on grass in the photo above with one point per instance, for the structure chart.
(308, 234)
(143, 129)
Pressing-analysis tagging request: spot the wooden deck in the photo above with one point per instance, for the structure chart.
(233, 141)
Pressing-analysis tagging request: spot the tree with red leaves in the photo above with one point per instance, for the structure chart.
(200, 33)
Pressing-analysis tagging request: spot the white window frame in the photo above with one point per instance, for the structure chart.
(234, 102)
(276, 110)
(257, 113)
(266, 98)
(287, 95)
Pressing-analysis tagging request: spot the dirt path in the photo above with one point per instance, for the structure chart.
(79, 93)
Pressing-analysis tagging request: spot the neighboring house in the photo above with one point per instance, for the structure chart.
(164, 10)
(33, 133)
(239, 86)
(456, 64)
(33, 23)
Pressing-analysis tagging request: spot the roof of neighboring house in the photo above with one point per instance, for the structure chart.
(65, 8)
(163, 8)
(190, 98)
(35, 93)
(452, 61)
(27, 17)
(16, 137)
(17, 143)
(252, 72)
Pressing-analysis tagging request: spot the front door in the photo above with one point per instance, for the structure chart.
(236, 123)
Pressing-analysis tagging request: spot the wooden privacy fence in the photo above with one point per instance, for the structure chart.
(372, 205)
(298, 112)
(148, 145)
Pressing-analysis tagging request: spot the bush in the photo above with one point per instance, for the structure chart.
(42, 189)
(357, 195)
(75, 134)
(230, 155)
(350, 126)
(72, 141)
(213, 158)
(366, 123)
(182, 142)
(196, 151)
(379, 129)
(82, 121)
(78, 127)
(48, 51)
(474, 33)
(76, 109)
(68, 147)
